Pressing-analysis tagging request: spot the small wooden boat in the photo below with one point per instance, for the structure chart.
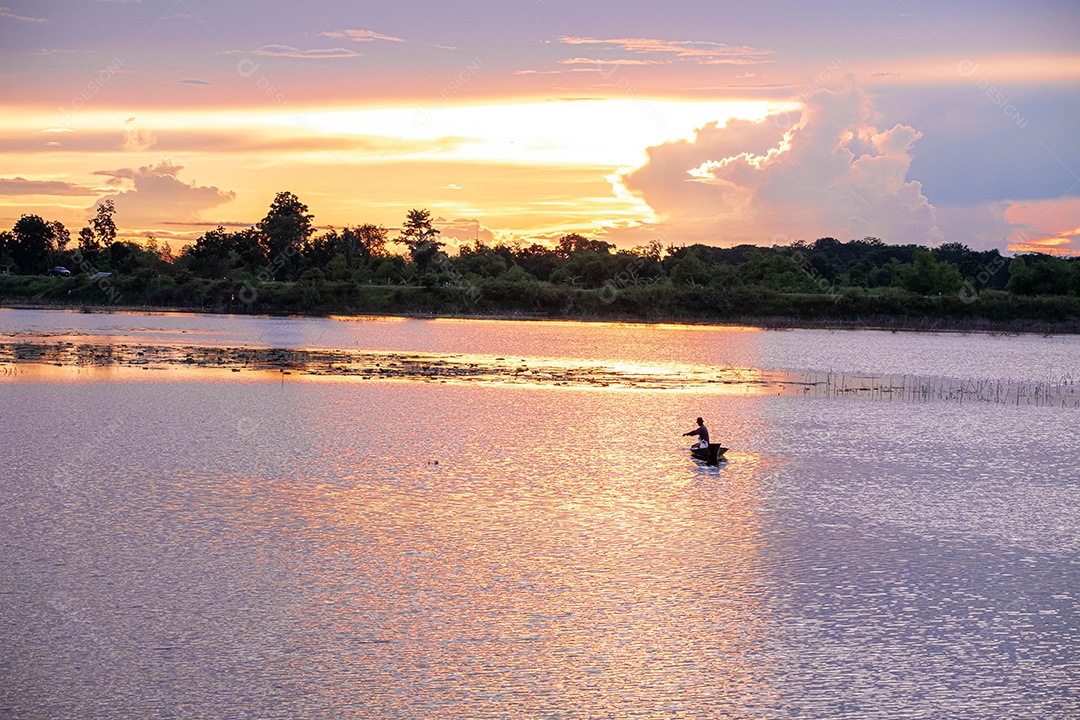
(712, 455)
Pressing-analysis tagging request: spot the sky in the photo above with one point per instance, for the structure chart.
(697, 121)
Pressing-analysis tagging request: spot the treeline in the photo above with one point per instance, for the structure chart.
(282, 264)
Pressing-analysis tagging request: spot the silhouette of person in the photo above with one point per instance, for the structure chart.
(702, 432)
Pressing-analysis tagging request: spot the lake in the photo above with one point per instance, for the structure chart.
(406, 518)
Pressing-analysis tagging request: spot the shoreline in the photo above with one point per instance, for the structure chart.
(455, 368)
(888, 323)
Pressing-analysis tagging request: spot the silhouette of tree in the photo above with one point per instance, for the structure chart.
(211, 255)
(89, 247)
(6, 242)
(418, 235)
(247, 244)
(481, 260)
(285, 229)
(370, 240)
(653, 251)
(537, 260)
(102, 222)
(33, 241)
(573, 243)
(353, 245)
(61, 236)
(217, 253)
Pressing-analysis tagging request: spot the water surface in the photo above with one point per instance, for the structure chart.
(192, 542)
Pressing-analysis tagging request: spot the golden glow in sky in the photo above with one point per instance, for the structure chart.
(585, 132)
(459, 144)
(694, 121)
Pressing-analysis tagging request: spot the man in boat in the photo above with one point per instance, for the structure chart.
(702, 433)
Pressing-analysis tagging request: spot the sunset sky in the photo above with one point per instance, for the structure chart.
(688, 121)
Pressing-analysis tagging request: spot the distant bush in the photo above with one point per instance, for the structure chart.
(284, 265)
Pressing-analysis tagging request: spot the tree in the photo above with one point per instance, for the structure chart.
(654, 251)
(247, 244)
(690, 270)
(781, 273)
(928, 276)
(640, 263)
(593, 268)
(61, 236)
(574, 242)
(354, 245)
(89, 247)
(481, 260)
(419, 236)
(211, 255)
(826, 244)
(7, 241)
(33, 240)
(370, 240)
(99, 235)
(285, 229)
(160, 252)
(954, 253)
(218, 254)
(102, 222)
(1046, 275)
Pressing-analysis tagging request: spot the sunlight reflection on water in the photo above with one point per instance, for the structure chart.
(290, 548)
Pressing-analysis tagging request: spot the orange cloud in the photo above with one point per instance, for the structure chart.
(1046, 226)
(1048, 246)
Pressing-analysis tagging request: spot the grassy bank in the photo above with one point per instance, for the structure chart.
(886, 308)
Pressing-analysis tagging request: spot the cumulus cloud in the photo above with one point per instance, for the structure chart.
(462, 231)
(157, 196)
(136, 138)
(828, 170)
